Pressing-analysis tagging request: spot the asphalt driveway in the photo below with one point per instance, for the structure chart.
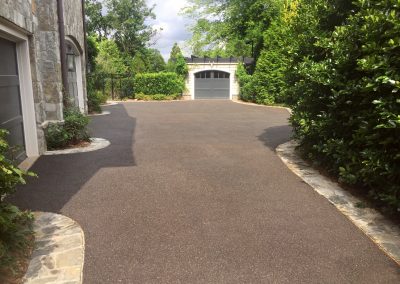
(193, 192)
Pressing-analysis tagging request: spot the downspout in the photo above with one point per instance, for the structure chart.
(63, 52)
(85, 38)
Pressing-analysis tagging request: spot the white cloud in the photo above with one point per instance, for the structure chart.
(174, 26)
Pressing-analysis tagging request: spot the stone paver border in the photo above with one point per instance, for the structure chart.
(379, 229)
(104, 112)
(96, 144)
(59, 252)
(258, 105)
(111, 103)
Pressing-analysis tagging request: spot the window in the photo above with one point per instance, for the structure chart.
(212, 74)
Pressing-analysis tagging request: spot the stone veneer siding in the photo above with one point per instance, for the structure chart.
(38, 20)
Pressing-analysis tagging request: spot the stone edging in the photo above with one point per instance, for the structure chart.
(380, 230)
(111, 103)
(105, 112)
(96, 144)
(59, 251)
(253, 104)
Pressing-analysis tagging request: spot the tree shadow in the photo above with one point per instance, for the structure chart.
(274, 136)
(60, 177)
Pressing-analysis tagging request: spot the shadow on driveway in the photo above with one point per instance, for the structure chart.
(274, 136)
(62, 176)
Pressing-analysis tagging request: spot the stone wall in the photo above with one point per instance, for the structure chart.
(18, 12)
(39, 21)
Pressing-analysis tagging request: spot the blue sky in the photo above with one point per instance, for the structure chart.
(174, 26)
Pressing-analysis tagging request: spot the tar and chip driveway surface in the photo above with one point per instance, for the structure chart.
(193, 192)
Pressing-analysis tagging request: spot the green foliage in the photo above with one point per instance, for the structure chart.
(97, 24)
(175, 52)
(71, 132)
(110, 60)
(247, 92)
(177, 62)
(94, 97)
(157, 97)
(336, 63)
(223, 27)
(92, 52)
(181, 67)
(158, 83)
(128, 22)
(147, 60)
(15, 225)
(346, 93)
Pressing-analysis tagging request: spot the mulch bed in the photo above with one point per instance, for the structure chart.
(20, 265)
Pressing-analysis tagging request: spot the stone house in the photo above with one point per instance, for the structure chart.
(42, 55)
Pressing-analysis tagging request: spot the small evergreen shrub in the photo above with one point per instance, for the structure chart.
(167, 83)
(15, 225)
(71, 132)
(94, 96)
(94, 102)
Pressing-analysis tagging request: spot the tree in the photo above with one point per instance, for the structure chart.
(110, 59)
(92, 52)
(96, 23)
(176, 50)
(223, 27)
(128, 23)
(177, 62)
(155, 61)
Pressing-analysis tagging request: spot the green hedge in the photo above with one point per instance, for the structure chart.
(157, 97)
(346, 89)
(337, 64)
(167, 83)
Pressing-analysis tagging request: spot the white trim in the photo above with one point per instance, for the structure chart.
(26, 90)
(81, 99)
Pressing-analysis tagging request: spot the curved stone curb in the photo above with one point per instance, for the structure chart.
(110, 104)
(253, 104)
(106, 112)
(59, 251)
(96, 144)
(382, 231)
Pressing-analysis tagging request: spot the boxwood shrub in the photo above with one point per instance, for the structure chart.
(167, 83)
(71, 132)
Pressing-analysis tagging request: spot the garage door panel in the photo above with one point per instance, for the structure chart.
(9, 80)
(10, 99)
(212, 86)
(16, 135)
(8, 57)
(11, 103)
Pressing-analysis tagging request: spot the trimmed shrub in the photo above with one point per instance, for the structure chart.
(167, 83)
(15, 225)
(157, 97)
(71, 132)
(347, 110)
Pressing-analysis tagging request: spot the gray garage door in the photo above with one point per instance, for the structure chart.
(10, 100)
(211, 85)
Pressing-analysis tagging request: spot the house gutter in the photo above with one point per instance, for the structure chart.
(85, 37)
(63, 52)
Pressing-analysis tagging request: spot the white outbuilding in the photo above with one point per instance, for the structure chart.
(213, 78)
